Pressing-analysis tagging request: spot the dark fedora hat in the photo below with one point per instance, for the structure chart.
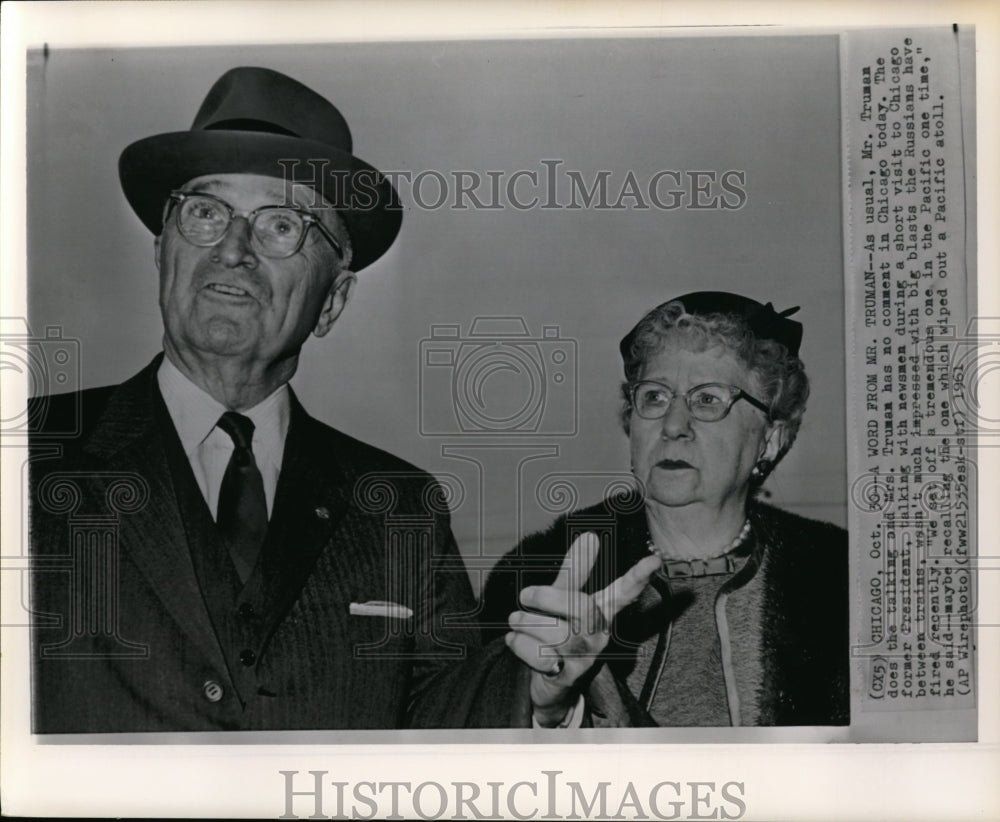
(251, 119)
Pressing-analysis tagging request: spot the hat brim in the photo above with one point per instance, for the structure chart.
(153, 167)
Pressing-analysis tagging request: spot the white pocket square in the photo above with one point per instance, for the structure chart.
(382, 609)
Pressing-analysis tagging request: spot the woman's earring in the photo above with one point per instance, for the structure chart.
(761, 469)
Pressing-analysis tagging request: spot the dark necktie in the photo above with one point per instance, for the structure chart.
(242, 516)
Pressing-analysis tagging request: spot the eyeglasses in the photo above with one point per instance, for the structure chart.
(710, 402)
(275, 231)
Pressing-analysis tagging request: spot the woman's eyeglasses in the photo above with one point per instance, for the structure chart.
(709, 402)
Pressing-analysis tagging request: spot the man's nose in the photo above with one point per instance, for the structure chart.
(677, 421)
(234, 248)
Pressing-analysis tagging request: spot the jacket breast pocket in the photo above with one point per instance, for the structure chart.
(381, 633)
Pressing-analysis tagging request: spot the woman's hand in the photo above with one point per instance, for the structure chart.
(566, 630)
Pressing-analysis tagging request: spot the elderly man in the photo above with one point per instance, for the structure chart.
(207, 556)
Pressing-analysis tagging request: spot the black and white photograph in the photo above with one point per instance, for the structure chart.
(602, 390)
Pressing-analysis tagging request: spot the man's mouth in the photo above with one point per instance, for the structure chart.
(230, 290)
(674, 465)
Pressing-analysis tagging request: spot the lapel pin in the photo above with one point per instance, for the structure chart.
(323, 513)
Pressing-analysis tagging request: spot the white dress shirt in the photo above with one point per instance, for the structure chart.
(208, 448)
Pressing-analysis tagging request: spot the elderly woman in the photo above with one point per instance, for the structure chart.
(689, 602)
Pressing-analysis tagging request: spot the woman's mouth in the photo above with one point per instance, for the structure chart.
(674, 465)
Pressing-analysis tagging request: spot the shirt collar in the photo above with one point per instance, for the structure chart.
(195, 412)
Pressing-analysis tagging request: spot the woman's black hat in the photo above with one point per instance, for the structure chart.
(762, 319)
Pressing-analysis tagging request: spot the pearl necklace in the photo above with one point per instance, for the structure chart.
(723, 563)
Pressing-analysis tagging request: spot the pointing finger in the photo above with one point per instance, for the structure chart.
(547, 599)
(578, 562)
(626, 589)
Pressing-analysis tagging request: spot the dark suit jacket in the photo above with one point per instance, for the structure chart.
(141, 625)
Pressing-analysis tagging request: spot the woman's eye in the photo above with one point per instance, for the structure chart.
(707, 398)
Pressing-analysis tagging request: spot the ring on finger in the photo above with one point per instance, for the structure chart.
(556, 669)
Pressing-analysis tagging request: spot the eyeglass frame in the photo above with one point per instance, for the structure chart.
(178, 196)
(735, 395)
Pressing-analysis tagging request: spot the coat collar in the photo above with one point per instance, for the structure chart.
(127, 418)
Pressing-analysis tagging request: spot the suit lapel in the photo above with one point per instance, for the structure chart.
(128, 438)
(312, 496)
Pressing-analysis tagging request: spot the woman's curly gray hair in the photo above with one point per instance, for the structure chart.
(780, 377)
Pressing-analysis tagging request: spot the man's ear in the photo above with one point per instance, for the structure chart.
(335, 301)
(775, 441)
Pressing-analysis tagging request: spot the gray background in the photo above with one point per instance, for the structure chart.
(765, 105)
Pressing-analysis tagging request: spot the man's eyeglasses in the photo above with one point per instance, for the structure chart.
(275, 231)
(710, 402)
